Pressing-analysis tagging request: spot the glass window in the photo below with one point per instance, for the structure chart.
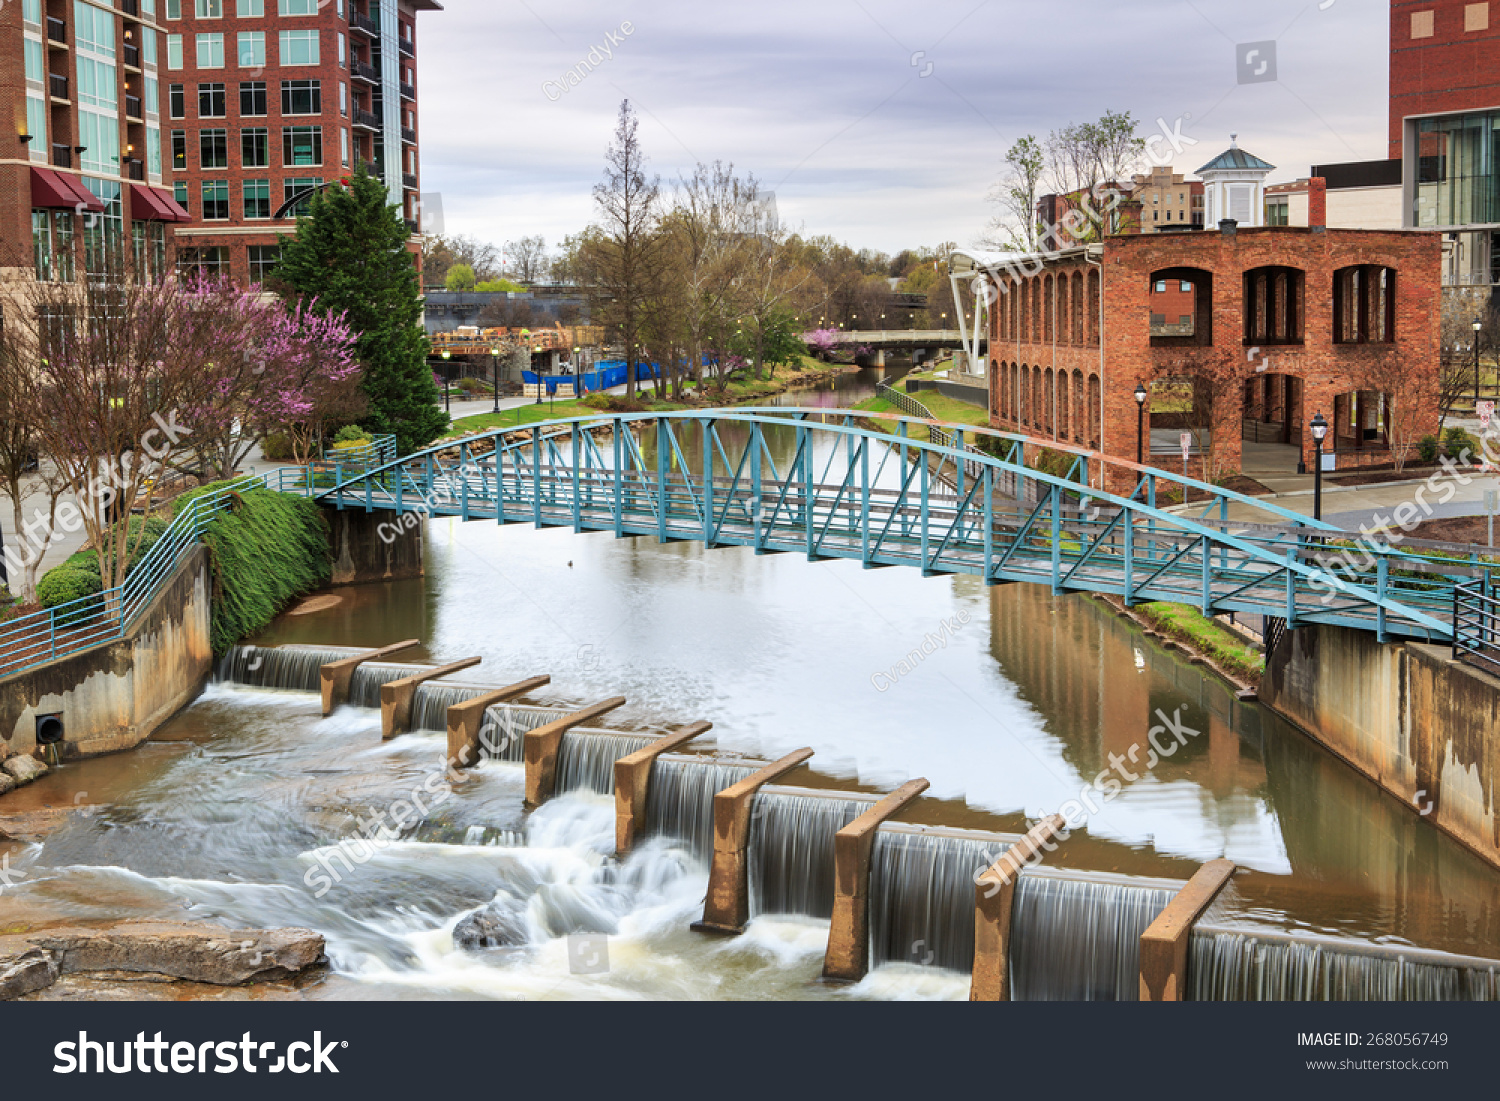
(252, 98)
(153, 96)
(211, 51)
(36, 126)
(96, 84)
(104, 234)
(255, 148)
(209, 9)
(180, 193)
(301, 145)
(148, 7)
(250, 9)
(148, 46)
(344, 135)
(293, 187)
(31, 11)
(257, 198)
(179, 151)
(149, 240)
(341, 49)
(343, 99)
(297, 7)
(213, 148)
(215, 200)
(299, 47)
(94, 29)
(176, 101)
(174, 9)
(263, 258)
(99, 134)
(252, 49)
(36, 66)
(153, 151)
(301, 97)
(41, 243)
(211, 101)
(63, 266)
(174, 51)
(211, 262)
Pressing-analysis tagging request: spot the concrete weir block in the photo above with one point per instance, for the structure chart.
(1164, 944)
(727, 907)
(466, 720)
(633, 781)
(542, 744)
(847, 958)
(396, 697)
(994, 896)
(336, 676)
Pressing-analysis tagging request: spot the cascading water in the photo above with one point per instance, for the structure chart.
(791, 851)
(680, 801)
(586, 759)
(1229, 965)
(1077, 938)
(922, 895)
(502, 736)
(364, 686)
(290, 668)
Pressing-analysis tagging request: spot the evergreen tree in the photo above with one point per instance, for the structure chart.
(350, 254)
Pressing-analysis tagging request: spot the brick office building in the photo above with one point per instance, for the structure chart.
(82, 174)
(1283, 323)
(265, 99)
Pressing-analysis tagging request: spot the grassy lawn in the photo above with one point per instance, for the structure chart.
(1185, 623)
(943, 408)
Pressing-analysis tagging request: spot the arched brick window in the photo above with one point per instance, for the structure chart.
(1274, 308)
(1364, 305)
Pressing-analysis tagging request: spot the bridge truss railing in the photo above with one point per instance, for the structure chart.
(1476, 625)
(990, 516)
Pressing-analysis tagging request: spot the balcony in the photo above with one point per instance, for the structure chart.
(133, 107)
(136, 169)
(408, 92)
(409, 181)
(407, 49)
(364, 23)
(57, 31)
(413, 226)
(130, 7)
(57, 85)
(365, 120)
(360, 70)
(408, 135)
(62, 155)
(131, 54)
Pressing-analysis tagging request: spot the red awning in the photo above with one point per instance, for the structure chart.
(171, 207)
(49, 191)
(85, 199)
(146, 206)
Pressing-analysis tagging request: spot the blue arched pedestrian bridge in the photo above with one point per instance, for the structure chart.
(887, 490)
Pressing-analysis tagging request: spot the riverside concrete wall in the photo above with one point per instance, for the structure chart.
(373, 546)
(116, 696)
(1422, 726)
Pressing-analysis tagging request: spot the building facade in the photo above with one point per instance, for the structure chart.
(1169, 201)
(83, 176)
(1444, 119)
(1266, 327)
(266, 100)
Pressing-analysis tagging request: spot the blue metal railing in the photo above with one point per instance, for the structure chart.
(56, 633)
(1476, 625)
(378, 452)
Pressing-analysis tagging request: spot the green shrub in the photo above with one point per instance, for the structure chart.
(267, 549)
(1427, 447)
(277, 448)
(1456, 441)
(472, 386)
(352, 433)
(64, 585)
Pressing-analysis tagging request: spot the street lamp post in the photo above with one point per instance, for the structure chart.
(1140, 424)
(1319, 432)
(495, 375)
(1478, 327)
(447, 383)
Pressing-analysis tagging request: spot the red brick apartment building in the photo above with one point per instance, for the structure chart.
(263, 100)
(81, 167)
(1265, 327)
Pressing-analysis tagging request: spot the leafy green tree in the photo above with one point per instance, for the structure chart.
(460, 278)
(351, 257)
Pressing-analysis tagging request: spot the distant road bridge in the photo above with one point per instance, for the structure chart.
(908, 493)
(901, 338)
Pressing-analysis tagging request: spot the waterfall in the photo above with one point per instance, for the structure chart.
(1079, 939)
(922, 895)
(364, 686)
(586, 759)
(429, 709)
(1229, 965)
(292, 668)
(791, 850)
(680, 800)
(502, 736)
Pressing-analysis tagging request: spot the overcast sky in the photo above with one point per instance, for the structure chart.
(826, 101)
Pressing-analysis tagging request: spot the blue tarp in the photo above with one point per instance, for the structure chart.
(605, 376)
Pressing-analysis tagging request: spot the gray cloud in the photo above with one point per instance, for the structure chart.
(827, 103)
